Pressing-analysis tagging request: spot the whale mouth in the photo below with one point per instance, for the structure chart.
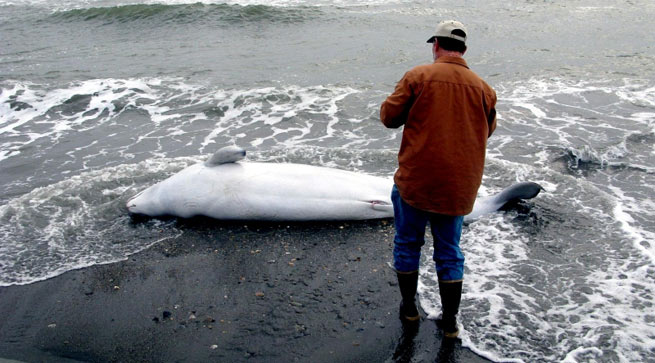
(131, 207)
(130, 202)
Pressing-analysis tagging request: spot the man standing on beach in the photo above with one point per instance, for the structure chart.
(448, 112)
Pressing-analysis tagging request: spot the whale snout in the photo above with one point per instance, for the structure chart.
(134, 203)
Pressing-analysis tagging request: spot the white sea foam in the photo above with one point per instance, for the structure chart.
(283, 116)
(78, 222)
(42, 107)
(638, 95)
(588, 9)
(293, 107)
(642, 240)
(595, 122)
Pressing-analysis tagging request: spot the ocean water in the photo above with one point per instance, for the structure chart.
(102, 98)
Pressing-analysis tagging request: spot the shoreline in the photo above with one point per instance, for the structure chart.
(220, 291)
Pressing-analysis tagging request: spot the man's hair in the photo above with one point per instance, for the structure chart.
(453, 44)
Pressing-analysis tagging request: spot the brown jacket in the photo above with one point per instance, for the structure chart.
(448, 112)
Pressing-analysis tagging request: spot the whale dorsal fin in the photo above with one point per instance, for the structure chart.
(228, 154)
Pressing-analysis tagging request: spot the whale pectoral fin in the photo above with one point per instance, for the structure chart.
(380, 205)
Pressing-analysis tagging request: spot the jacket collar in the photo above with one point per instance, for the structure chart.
(454, 60)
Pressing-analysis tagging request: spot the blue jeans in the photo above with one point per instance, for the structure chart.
(410, 232)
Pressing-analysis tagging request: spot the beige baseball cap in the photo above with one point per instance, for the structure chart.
(446, 28)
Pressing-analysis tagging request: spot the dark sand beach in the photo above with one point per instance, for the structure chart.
(228, 292)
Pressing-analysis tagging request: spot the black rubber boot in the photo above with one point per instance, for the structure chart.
(408, 283)
(451, 295)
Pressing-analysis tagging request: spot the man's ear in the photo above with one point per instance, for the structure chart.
(435, 47)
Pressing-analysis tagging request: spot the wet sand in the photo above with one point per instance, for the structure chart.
(228, 292)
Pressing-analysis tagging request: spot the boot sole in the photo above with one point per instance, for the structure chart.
(410, 318)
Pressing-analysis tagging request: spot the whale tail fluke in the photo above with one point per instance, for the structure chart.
(523, 190)
(511, 194)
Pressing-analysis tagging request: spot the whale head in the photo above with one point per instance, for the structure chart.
(145, 202)
(183, 194)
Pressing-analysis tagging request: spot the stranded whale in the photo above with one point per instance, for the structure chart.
(224, 188)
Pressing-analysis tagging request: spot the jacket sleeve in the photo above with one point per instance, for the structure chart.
(491, 116)
(395, 108)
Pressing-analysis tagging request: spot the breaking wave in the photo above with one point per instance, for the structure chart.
(188, 13)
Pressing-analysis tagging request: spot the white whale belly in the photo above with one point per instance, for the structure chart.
(268, 191)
